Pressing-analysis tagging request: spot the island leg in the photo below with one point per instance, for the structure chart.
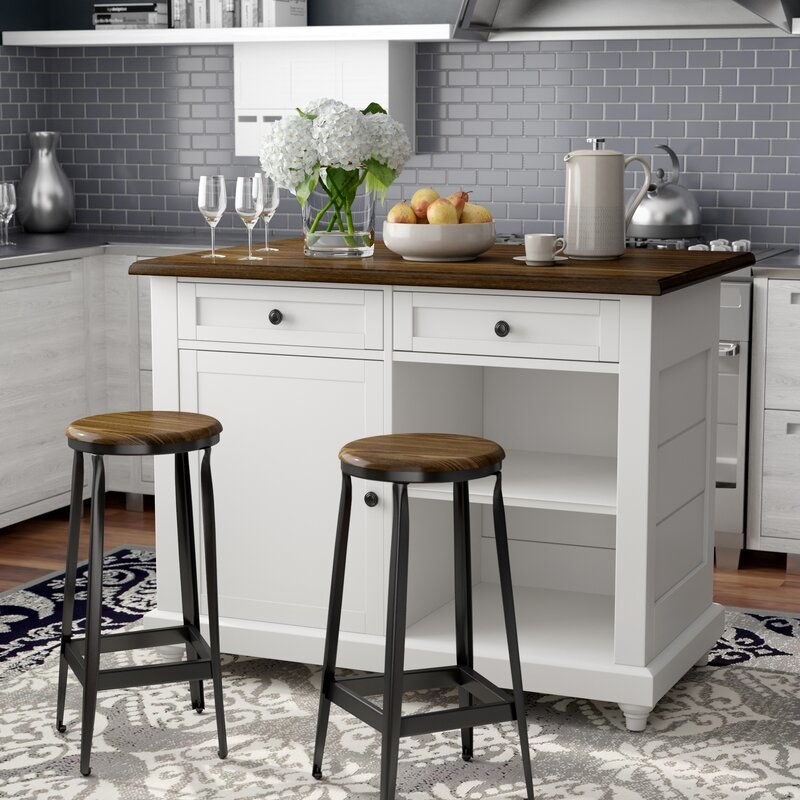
(635, 716)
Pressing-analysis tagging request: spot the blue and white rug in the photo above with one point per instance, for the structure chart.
(728, 731)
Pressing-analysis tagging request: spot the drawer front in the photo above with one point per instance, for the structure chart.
(573, 329)
(780, 497)
(782, 371)
(281, 315)
(734, 311)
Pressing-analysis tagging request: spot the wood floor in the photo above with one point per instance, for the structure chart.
(37, 547)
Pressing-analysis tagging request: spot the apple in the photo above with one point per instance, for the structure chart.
(401, 212)
(421, 199)
(459, 200)
(475, 213)
(442, 212)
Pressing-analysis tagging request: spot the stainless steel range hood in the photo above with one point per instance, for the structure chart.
(550, 19)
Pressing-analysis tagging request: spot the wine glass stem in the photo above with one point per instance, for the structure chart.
(5, 231)
(213, 251)
(249, 242)
(266, 234)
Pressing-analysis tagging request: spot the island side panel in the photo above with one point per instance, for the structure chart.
(667, 409)
(166, 397)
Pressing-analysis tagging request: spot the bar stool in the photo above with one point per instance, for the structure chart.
(401, 459)
(139, 433)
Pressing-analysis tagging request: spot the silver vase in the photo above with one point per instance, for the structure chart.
(45, 201)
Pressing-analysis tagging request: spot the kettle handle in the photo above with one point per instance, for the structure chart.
(676, 167)
(642, 189)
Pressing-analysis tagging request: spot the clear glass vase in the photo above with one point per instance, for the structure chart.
(335, 234)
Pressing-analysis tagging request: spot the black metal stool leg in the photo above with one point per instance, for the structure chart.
(395, 643)
(504, 565)
(75, 516)
(94, 605)
(334, 621)
(210, 540)
(462, 547)
(187, 565)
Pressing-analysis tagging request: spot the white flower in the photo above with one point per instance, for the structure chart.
(389, 142)
(332, 134)
(288, 152)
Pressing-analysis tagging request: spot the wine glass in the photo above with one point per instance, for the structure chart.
(249, 205)
(8, 205)
(272, 198)
(212, 200)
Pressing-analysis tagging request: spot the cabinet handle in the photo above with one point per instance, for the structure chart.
(728, 349)
(502, 328)
(792, 428)
(371, 499)
(275, 316)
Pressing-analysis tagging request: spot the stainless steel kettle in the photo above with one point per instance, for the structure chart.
(668, 210)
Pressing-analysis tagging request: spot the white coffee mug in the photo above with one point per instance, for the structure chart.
(543, 247)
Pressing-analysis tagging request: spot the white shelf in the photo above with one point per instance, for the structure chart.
(581, 483)
(188, 36)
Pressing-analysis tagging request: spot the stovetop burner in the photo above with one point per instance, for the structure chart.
(665, 244)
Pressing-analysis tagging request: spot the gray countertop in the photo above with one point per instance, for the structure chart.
(30, 247)
(784, 265)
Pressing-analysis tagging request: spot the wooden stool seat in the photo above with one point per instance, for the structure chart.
(139, 433)
(421, 457)
(401, 459)
(143, 433)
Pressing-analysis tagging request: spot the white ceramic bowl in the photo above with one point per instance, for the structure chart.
(462, 242)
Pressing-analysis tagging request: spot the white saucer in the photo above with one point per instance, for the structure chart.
(541, 263)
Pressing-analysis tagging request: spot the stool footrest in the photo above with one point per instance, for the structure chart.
(496, 705)
(143, 674)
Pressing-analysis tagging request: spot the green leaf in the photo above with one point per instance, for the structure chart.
(305, 188)
(373, 108)
(379, 177)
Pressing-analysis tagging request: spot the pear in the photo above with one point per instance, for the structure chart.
(474, 213)
(459, 200)
(401, 212)
(421, 199)
(442, 212)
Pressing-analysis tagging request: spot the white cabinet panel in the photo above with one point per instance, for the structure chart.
(272, 81)
(780, 510)
(782, 387)
(277, 481)
(535, 327)
(46, 378)
(281, 315)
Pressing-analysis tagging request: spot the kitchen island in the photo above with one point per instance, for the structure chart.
(598, 378)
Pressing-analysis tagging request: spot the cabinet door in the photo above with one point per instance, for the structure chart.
(780, 496)
(45, 374)
(782, 375)
(277, 482)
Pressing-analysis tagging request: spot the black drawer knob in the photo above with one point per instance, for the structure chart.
(502, 328)
(275, 316)
(371, 499)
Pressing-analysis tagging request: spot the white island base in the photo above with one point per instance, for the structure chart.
(605, 404)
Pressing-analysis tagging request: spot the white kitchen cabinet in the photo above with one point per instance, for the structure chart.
(286, 409)
(355, 72)
(603, 403)
(774, 467)
(51, 372)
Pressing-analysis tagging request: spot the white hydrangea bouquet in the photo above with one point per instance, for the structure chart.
(338, 149)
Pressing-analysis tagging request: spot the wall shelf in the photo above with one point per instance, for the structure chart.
(190, 36)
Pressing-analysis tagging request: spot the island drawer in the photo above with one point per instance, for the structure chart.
(281, 315)
(574, 329)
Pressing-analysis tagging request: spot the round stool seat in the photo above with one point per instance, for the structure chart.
(421, 457)
(137, 433)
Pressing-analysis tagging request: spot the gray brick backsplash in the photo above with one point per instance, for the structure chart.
(140, 124)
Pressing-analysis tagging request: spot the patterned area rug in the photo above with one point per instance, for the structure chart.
(728, 731)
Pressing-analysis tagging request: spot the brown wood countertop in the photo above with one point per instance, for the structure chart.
(638, 271)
